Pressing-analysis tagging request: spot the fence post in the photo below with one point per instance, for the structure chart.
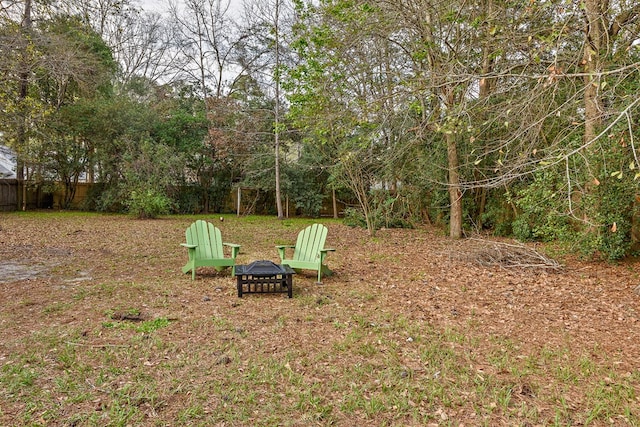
(238, 204)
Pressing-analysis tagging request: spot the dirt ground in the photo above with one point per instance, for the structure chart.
(50, 265)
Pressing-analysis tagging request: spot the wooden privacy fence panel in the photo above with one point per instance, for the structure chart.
(8, 194)
(11, 196)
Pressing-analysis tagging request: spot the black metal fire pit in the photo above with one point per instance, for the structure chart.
(264, 277)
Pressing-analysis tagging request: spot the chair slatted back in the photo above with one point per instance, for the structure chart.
(207, 237)
(310, 242)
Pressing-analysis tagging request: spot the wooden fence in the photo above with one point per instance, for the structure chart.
(10, 200)
(8, 194)
(11, 192)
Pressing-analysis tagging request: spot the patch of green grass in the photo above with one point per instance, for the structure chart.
(128, 319)
(455, 336)
(56, 307)
(587, 366)
(384, 258)
(17, 378)
(27, 302)
(149, 326)
(222, 323)
(81, 293)
(67, 384)
(280, 324)
(566, 374)
(612, 397)
(310, 401)
(106, 289)
(192, 413)
(121, 411)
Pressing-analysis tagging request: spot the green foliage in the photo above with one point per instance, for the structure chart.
(187, 198)
(146, 203)
(58, 63)
(498, 214)
(597, 218)
(90, 69)
(150, 326)
(608, 198)
(610, 205)
(361, 115)
(218, 190)
(308, 201)
(305, 181)
(543, 208)
(184, 127)
(107, 198)
(437, 207)
(147, 172)
(354, 217)
(389, 210)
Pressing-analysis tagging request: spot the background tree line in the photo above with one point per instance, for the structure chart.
(516, 117)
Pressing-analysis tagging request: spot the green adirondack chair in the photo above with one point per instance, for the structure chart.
(309, 251)
(205, 245)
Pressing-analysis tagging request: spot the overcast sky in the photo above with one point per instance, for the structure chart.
(161, 5)
(155, 5)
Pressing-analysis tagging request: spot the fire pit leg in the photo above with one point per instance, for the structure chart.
(239, 286)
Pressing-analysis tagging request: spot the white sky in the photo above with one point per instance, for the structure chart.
(153, 5)
(161, 5)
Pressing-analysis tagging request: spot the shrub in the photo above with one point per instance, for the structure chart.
(148, 203)
(610, 208)
(354, 218)
(543, 209)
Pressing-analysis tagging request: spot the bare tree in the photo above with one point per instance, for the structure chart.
(206, 39)
(266, 24)
(145, 48)
(205, 35)
(25, 66)
(140, 41)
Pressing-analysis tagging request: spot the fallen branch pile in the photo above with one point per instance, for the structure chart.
(488, 253)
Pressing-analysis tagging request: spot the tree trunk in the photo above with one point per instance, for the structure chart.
(455, 193)
(595, 38)
(277, 111)
(22, 137)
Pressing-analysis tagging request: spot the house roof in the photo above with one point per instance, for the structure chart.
(7, 163)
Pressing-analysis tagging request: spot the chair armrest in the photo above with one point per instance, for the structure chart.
(188, 246)
(282, 249)
(323, 253)
(235, 249)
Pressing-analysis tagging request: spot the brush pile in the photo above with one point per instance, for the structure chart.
(488, 253)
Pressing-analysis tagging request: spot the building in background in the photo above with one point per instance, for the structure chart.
(7, 163)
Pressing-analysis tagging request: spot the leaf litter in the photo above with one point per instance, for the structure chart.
(89, 271)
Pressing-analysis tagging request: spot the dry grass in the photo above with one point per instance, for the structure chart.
(108, 331)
